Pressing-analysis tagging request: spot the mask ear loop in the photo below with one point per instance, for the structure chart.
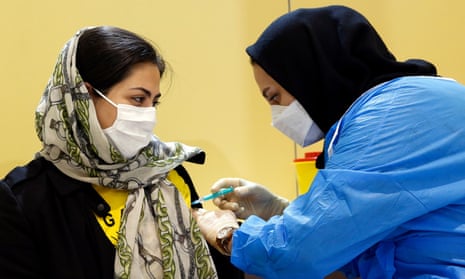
(333, 139)
(105, 97)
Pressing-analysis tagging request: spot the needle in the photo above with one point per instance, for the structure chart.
(220, 193)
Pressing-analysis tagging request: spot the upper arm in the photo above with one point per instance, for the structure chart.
(183, 182)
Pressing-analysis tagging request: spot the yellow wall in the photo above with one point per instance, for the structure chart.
(211, 99)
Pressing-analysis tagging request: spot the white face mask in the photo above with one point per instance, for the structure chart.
(294, 122)
(132, 129)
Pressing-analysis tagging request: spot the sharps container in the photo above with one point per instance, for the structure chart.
(306, 171)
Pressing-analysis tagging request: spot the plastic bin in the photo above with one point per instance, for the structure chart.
(306, 171)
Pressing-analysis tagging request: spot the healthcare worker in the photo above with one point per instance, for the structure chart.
(389, 201)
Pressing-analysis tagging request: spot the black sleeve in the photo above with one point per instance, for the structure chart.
(18, 258)
(223, 264)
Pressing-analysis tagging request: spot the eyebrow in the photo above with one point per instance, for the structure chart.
(147, 92)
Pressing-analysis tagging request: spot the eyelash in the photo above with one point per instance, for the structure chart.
(274, 98)
(140, 100)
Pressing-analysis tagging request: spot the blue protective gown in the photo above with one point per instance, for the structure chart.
(390, 202)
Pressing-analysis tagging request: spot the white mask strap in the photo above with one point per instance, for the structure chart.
(335, 135)
(105, 97)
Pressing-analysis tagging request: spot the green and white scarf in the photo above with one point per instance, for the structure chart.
(158, 237)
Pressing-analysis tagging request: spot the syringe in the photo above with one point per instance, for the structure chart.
(220, 193)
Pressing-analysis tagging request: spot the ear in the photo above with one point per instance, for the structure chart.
(89, 87)
(94, 97)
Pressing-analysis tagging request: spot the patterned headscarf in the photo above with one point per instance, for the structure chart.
(158, 237)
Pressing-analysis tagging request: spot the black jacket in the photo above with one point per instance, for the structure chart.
(48, 228)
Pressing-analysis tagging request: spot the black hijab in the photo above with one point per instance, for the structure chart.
(326, 58)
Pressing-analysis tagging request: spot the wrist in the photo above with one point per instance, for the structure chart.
(224, 240)
(283, 203)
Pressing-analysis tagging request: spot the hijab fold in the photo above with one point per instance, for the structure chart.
(158, 237)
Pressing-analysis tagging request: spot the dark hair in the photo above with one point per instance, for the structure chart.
(105, 55)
